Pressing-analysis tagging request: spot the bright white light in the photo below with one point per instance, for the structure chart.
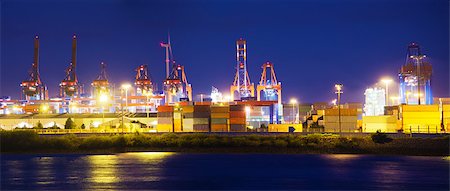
(293, 101)
(247, 109)
(126, 86)
(103, 98)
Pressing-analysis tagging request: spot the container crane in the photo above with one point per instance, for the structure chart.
(33, 88)
(270, 86)
(241, 84)
(101, 83)
(175, 85)
(143, 82)
(415, 78)
(69, 86)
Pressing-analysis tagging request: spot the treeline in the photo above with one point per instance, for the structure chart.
(27, 141)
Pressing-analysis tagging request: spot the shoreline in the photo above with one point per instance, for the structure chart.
(17, 142)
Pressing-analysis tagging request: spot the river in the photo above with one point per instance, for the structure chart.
(167, 170)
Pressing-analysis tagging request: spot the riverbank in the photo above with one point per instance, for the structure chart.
(30, 142)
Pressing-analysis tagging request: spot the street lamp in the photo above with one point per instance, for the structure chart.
(293, 101)
(387, 82)
(339, 92)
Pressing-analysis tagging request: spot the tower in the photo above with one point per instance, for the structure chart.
(33, 88)
(241, 84)
(415, 78)
(69, 85)
(269, 86)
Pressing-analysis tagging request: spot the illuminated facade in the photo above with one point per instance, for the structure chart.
(374, 102)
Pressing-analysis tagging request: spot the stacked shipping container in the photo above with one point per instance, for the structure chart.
(201, 116)
(237, 118)
(219, 118)
(165, 118)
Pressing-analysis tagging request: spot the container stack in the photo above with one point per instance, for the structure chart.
(219, 118)
(165, 118)
(202, 114)
(237, 118)
(188, 118)
(177, 119)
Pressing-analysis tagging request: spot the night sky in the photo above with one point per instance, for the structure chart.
(313, 44)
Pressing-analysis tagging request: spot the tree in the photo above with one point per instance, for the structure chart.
(69, 124)
(380, 137)
(39, 125)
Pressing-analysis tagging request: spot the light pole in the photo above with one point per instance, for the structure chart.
(125, 87)
(293, 101)
(386, 83)
(339, 92)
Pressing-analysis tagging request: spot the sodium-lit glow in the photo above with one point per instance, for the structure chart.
(293, 101)
(126, 86)
(247, 109)
(338, 87)
(386, 80)
(103, 98)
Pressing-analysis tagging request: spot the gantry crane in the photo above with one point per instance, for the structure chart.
(415, 78)
(101, 83)
(33, 88)
(175, 85)
(69, 85)
(241, 84)
(270, 86)
(143, 82)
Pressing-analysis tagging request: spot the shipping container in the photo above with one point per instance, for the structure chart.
(220, 115)
(177, 115)
(219, 128)
(164, 128)
(201, 121)
(165, 108)
(201, 114)
(162, 120)
(237, 108)
(188, 115)
(188, 125)
(219, 121)
(237, 121)
(220, 109)
(187, 109)
(164, 114)
(177, 125)
(237, 128)
(201, 128)
(237, 114)
(202, 108)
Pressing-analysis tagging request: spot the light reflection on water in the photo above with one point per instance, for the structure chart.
(166, 170)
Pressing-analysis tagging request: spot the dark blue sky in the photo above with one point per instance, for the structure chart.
(313, 44)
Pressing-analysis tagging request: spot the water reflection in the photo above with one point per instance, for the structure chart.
(114, 171)
(165, 170)
(103, 168)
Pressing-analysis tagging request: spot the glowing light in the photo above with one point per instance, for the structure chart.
(103, 98)
(293, 101)
(386, 81)
(126, 86)
(247, 109)
(334, 101)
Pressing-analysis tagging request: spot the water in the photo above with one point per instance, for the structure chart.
(164, 170)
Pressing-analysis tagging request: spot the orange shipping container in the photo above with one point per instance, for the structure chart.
(237, 114)
(219, 109)
(165, 108)
(220, 115)
(239, 121)
(219, 128)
